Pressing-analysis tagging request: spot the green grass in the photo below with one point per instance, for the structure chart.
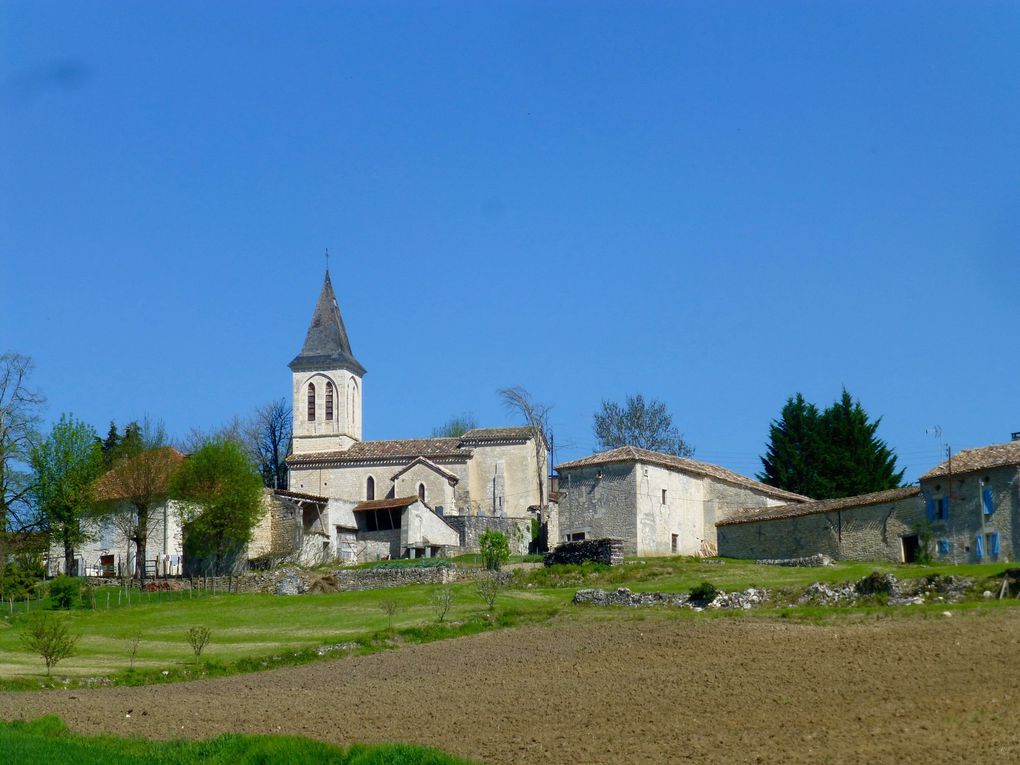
(255, 632)
(47, 740)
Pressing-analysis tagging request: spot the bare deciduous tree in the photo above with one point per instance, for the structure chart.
(646, 425)
(266, 437)
(536, 418)
(20, 407)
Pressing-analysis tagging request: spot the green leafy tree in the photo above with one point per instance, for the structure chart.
(495, 549)
(222, 495)
(455, 427)
(65, 467)
(50, 637)
(833, 454)
(646, 425)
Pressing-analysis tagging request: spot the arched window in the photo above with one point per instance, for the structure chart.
(311, 402)
(329, 401)
(370, 488)
(421, 492)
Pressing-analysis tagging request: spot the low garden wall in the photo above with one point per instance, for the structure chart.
(608, 551)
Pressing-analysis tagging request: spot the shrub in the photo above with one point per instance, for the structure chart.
(198, 638)
(495, 549)
(878, 584)
(488, 587)
(19, 577)
(705, 592)
(50, 637)
(441, 600)
(65, 592)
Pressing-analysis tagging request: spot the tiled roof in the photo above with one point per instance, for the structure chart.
(370, 451)
(145, 473)
(981, 458)
(326, 344)
(430, 465)
(752, 515)
(298, 495)
(385, 504)
(634, 454)
(497, 434)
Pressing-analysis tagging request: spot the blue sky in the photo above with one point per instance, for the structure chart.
(715, 204)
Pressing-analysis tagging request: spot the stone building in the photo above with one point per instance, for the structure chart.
(878, 526)
(490, 475)
(965, 510)
(658, 504)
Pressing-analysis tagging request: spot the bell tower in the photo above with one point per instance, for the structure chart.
(326, 382)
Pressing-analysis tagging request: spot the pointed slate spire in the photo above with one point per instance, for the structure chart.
(326, 344)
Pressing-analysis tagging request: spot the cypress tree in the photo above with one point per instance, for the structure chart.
(827, 455)
(793, 458)
(855, 460)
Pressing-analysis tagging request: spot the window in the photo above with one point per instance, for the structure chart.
(943, 547)
(987, 501)
(421, 492)
(938, 508)
(674, 544)
(329, 401)
(578, 537)
(992, 540)
(311, 402)
(370, 488)
(664, 496)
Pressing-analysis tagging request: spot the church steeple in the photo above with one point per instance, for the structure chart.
(326, 344)
(326, 382)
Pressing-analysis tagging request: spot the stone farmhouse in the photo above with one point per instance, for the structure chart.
(966, 510)
(658, 504)
(363, 500)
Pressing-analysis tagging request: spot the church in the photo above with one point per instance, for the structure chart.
(364, 499)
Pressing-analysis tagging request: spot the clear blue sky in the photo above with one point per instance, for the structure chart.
(716, 204)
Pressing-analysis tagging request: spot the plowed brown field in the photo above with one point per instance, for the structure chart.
(894, 690)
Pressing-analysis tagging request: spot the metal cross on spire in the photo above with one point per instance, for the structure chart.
(327, 260)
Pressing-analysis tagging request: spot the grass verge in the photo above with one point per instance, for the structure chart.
(47, 740)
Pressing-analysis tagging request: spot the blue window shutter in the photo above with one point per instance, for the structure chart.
(994, 543)
(989, 501)
(945, 508)
(943, 547)
(980, 549)
(931, 509)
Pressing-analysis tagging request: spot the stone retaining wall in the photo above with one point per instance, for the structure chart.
(608, 551)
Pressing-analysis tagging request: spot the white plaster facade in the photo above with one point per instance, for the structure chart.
(657, 503)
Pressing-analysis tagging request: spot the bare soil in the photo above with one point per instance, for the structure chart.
(899, 689)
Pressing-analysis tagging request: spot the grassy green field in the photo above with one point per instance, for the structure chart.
(252, 632)
(47, 740)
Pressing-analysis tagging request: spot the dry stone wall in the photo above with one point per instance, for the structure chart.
(608, 551)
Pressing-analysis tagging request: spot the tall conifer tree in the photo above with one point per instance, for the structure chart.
(831, 454)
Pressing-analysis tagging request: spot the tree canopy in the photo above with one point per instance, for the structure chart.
(647, 425)
(223, 499)
(830, 454)
(65, 467)
(455, 427)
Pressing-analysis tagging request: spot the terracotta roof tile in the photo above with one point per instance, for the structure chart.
(385, 504)
(299, 495)
(497, 434)
(369, 451)
(634, 454)
(982, 458)
(754, 514)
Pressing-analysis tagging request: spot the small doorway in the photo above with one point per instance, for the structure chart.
(911, 546)
(674, 545)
